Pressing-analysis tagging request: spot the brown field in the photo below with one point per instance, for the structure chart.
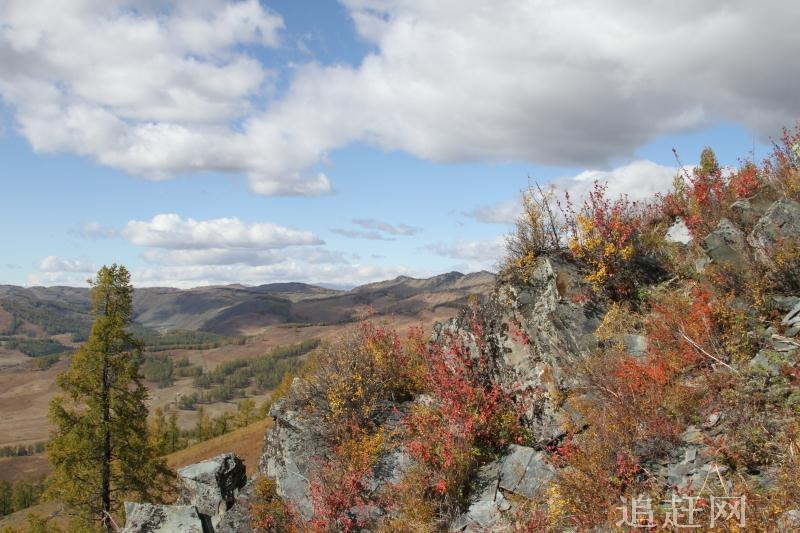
(246, 442)
(25, 393)
(19, 520)
(24, 397)
(27, 467)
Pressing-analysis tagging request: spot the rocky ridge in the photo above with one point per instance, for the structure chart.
(558, 329)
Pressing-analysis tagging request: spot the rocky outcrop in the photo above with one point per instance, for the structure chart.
(545, 335)
(781, 221)
(212, 486)
(539, 331)
(212, 499)
(145, 517)
(289, 448)
(726, 244)
(523, 472)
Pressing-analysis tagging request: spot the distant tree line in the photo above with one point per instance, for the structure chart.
(231, 379)
(54, 318)
(19, 495)
(35, 347)
(180, 339)
(22, 450)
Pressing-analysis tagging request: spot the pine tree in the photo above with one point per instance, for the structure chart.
(5, 498)
(173, 432)
(100, 448)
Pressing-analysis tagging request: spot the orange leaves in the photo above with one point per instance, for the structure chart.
(606, 235)
(468, 417)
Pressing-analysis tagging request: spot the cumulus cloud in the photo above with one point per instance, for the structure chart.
(171, 231)
(638, 180)
(475, 254)
(164, 87)
(55, 264)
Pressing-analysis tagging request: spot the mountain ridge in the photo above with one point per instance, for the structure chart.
(236, 309)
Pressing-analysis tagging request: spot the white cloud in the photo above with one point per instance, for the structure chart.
(247, 257)
(55, 264)
(638, 180)
(359, 234)
(162, 87)
(475, 255)
(172, 232)
(393, 229)
(499, 213)
(49, 279)
(94, 230)
(341, 275)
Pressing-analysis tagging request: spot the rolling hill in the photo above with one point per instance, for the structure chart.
(235, 309)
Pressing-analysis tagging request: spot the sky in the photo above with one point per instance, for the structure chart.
(340, 143)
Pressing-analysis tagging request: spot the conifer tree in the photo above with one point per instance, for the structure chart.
(100, 448)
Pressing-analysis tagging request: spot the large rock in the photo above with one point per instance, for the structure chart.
(289, 449)
(543, 339)
(147, 518)
(212, 486)
(292, 448)
(780, 222)
(522, 471)
(726, 244)
(213, 498)
(749, 210)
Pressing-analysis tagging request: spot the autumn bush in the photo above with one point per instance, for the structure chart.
(539, 230)
(467, 418)
(268, 512)
(619, 241)
(349, 389)
(356, 379)
(639, 405)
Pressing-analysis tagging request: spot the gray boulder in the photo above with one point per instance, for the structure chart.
(212, 486)
(147, 518)
(726, 244)
(791, 322)
(522, 471)
(781, 221)
(289, 447)
(749, 210)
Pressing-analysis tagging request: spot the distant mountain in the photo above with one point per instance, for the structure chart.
(234, 309)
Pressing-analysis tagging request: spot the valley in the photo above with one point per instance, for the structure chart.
(225, 324)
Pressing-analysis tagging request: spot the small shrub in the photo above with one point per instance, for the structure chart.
(468, 420)
(268, 512)
(616, 241)
(539, 231)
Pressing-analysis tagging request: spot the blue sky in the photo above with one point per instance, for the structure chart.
(216, 142)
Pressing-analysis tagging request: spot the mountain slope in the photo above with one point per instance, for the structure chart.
(236, 309)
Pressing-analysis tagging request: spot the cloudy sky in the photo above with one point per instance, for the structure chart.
(216, 141)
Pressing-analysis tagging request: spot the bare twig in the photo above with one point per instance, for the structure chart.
(704, 352)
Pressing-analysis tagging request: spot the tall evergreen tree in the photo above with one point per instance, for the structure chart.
(100, 448)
